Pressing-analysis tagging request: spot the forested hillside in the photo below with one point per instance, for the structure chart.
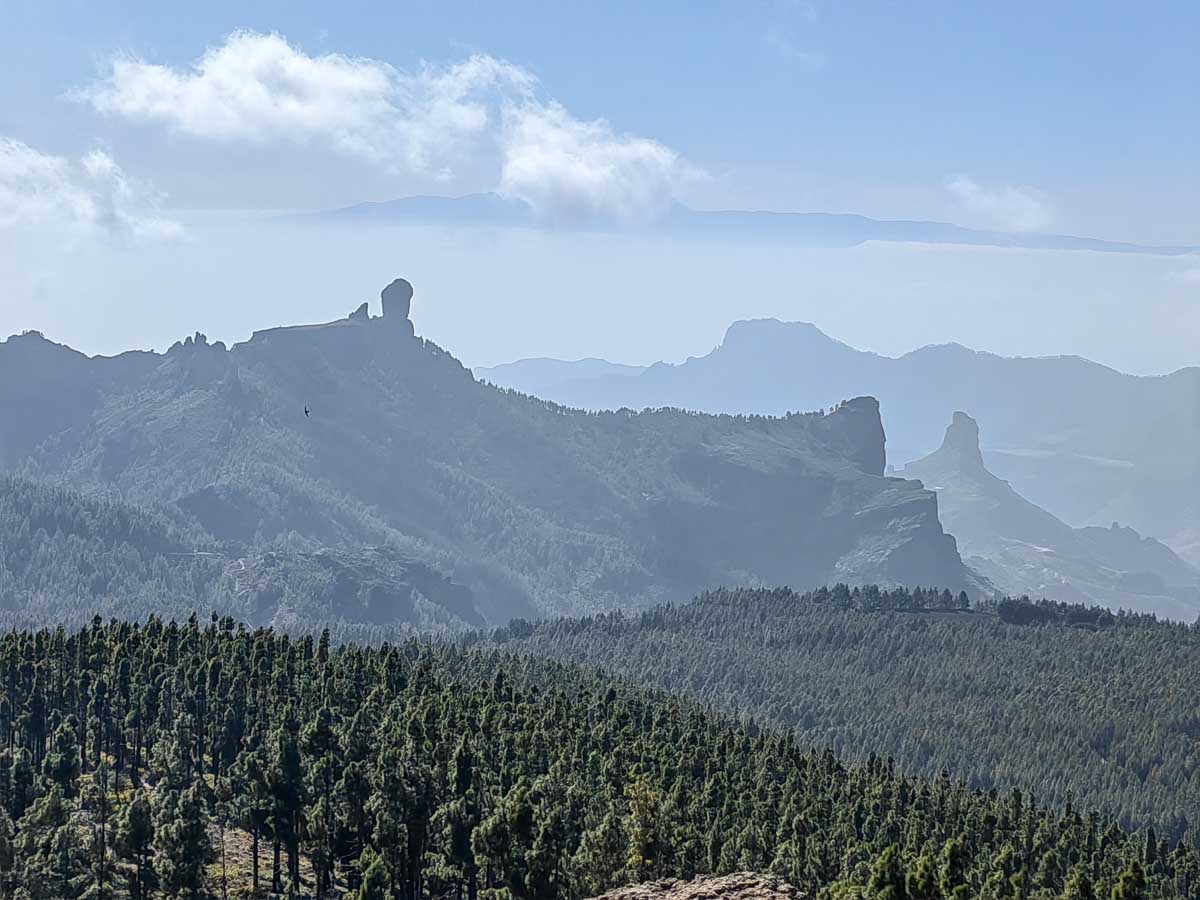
(65, 557)
(356, 432)
(1104, 712)
(168, 761)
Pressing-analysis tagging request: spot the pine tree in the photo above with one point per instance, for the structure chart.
(135, 841)
(254, 805)
(286, 778)
(99, 854)
(921, 883)
(645, 830)
(182, 849)
(887, 881)
(598, 863)
(8, 853)
(1079, 887)
(61, 765)
(51, 861)
(1132, 883)
(375, 879)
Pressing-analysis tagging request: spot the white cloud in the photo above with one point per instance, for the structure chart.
(259, 88)
(564, 167)
(1006, 206)
(89, 194)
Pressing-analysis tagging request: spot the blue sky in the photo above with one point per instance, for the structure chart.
(116, 128)
(869, 107)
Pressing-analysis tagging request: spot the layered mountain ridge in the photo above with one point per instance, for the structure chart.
(806, 229)
(357, 432)
(1023, 549)
(1089, 443)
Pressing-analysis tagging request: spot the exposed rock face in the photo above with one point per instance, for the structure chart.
(535, 509)
(362, 314)
(1024, 549)
(739, 886)
(1077, 438)
(397, 303)
(397, 299)
(962, 443)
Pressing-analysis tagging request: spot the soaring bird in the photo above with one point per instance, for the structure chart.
(306, 412)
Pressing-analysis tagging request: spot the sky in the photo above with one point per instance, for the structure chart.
(142, 147)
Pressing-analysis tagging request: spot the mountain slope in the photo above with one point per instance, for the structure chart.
(1091, 444)
(534, 507)
(65, 558)
(1025, 550)
(1101, 716)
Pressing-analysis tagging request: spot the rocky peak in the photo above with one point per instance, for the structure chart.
(772, 336)
(397, 299)
(961, 443)
(860, 424)
(397, 303)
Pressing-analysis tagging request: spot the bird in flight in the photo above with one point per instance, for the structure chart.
(306, 412)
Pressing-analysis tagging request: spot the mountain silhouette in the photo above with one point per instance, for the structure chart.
(809, 229)
(533, 507)
(1023, 549)
(1089, 443)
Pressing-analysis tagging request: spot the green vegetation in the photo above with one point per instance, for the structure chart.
(535, 508)
(168, 760)
(1104, 712)
(65, 557)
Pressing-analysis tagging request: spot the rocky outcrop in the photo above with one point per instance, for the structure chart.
(961, 444)
(535, 508)
(1084, 441)
(397, 304)
(739, 886)
(1024, 549)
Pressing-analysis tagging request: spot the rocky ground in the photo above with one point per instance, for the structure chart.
(739, 886)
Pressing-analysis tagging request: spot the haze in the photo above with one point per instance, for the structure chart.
(114, 133)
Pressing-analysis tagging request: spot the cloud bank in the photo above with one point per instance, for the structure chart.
(1007, 206)
(91, 194)
(259, 88)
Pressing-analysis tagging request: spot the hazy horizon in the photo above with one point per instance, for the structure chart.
(124, 146)
(621, 297)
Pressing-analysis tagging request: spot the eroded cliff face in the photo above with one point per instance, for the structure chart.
(356, 431)
(1024, 549)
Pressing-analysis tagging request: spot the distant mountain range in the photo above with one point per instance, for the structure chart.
(1023, 549)
(285, 455)
(817, 229)
(1092, 445)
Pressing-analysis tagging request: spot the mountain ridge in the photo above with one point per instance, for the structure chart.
(535, 507)
(809, 228)
(1023, 549)
(1082, 439)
